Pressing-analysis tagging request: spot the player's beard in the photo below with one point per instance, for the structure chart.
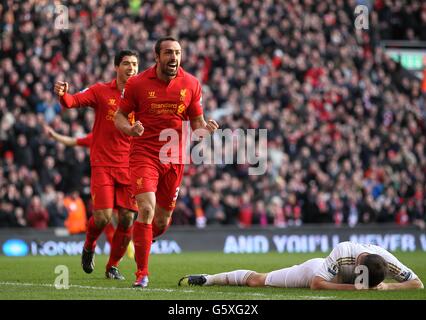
(169, 72)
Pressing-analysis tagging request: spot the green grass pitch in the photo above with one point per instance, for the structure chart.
(34, 278)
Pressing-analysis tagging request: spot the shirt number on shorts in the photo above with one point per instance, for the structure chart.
(176, 194)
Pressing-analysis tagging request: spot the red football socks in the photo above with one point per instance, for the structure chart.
(142, 238)
(119, 245)
(92, 234)
(109, 232)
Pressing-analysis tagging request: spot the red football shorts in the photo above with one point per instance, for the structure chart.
(111, 189)
(150, 175)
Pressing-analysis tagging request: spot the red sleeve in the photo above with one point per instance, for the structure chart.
(85, 98)
(127, 101)
(85, 141)
(195, 109)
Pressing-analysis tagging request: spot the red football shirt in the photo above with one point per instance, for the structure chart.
(160, 105)
(110, 147)
(85, 141)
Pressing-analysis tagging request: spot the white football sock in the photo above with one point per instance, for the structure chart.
(233, 278)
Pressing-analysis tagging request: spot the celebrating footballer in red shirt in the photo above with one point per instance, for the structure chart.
(162, 97)
(109, 158)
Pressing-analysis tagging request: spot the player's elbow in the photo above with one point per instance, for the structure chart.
(65, 105)
(317, 283)
(71, 143)
(418, 284)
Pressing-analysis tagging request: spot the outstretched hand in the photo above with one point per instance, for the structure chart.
(382, 286)
(48, 130)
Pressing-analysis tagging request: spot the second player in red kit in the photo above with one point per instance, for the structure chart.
(162, 97)
(109, 159)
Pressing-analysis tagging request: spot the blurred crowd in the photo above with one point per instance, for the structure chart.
(346, 124)
(401, 19)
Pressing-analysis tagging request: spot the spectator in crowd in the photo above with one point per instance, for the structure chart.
(276, 210)
(260, 216)
(214, 211)
(49, 107)
(23, 154)
(77, 219)
(37, 215)
(246, 211)
(58, 213)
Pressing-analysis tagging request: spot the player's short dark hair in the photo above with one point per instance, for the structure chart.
(123, 53)
(377, 269)
(161, 40)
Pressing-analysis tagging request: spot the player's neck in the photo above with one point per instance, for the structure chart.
(120, 84)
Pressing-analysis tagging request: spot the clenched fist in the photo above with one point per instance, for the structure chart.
(61, 88)
(137, 129)
(212, 126)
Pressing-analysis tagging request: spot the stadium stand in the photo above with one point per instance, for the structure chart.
(346, 124)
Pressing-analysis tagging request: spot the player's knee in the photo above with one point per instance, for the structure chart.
(101, 219)
(162, 223)
(146, 211)
(256, 280)
(126, 219)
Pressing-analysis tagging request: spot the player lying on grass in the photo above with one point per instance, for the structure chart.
(335, 272)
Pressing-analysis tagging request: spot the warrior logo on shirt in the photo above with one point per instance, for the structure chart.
(151, 95)
(111, 102)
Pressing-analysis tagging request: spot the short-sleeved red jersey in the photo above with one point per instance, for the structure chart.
(85, 141)
(160, 105)
(110, 147)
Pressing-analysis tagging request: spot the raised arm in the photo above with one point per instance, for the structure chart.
(85, 98)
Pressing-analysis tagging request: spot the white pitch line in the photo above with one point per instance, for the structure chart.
(254, 294)
(24, 284)
(317, 297)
